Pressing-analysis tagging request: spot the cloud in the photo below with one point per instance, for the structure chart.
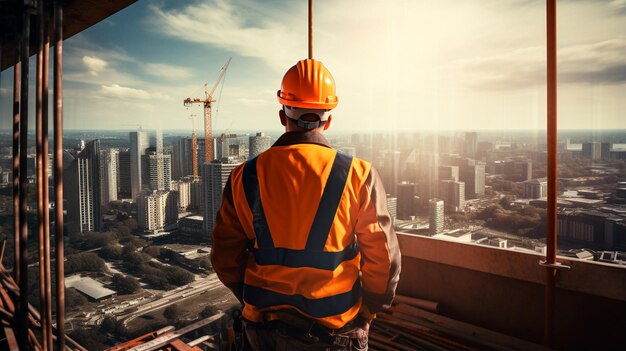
(167, 71)
(94, 64)
(591, 63)
(238, 30)
(120, 92)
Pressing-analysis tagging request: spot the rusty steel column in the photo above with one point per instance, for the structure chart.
(58, 173)
(16, 169)
(22, 312)
(42, 175)
(46, 304)
(551, 228)
(310, 29)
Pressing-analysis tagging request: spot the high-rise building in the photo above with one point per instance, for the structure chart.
(156, 210)
(449, 173)
(471, 144)
(473, 175)
(108, 175)
(406, 200)
(214, 177)
(435, 216)
(182, 164)
(427, 176)
(259, 143)
(231, 145)
(183, 187)
(123, 175)
(159, 166)
(596, 150)
(139, 142)
(453, 195)
(536, 188)
(390, 172)
(82, 189)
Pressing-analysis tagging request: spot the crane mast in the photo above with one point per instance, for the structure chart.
(207, 100)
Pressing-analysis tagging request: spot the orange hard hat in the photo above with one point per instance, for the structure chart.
(308, 84)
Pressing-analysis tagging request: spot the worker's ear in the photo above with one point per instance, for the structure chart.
(327, 124)
(283, 117)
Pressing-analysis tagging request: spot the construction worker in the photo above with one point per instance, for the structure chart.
(303, 237)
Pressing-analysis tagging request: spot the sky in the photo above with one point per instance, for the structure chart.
(398, 65)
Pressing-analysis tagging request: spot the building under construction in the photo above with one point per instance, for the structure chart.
(454, 296)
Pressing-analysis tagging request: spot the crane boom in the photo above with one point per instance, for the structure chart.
(208, 99)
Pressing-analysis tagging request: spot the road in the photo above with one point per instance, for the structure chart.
(174, 296)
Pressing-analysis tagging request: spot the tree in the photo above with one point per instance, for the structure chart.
(153, 251)
(74, 299)
(172, 313)
(209, 311)
(112, 250)
(178, 276)
(109, 324)
(125, 285)
(85, 262)
(89, 339)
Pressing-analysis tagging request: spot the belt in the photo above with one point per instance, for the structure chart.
(308, 329)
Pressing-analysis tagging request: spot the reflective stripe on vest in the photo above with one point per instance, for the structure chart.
(313, 255)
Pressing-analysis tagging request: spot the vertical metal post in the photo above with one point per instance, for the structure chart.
(311, 29)
(46, 305)
(58, 173)
(42, 174)
(22, 313)
(552, 173)
(16, 168)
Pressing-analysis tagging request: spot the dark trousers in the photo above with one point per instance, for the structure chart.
(281, 336)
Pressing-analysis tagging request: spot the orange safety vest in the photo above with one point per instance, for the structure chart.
(316, 274)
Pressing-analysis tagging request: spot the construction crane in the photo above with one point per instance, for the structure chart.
(207, 100)
(194, 146)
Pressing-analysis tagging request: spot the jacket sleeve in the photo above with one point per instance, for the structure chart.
(380, 254)
(228, 253)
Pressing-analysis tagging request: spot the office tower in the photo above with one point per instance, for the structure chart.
(259, 143)
(435, 216)
(427, 176)
(214, 177)
(471, 144)
(82, 189)
(156, 210)
(182, 163)
(596, 150)
(406, 200)
(183, 187)
(231, 145)
(139, 142)
(197, 196)
(453, 195)
(200, 142)
(449, 173)
(517, 170)
(390, 171)
(158, 175)
(473, 174)
(535, 188)
(123, 175)
(109, 175)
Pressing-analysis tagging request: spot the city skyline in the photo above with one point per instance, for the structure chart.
(136, 67)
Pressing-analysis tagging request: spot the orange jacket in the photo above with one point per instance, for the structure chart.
(303, 227)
